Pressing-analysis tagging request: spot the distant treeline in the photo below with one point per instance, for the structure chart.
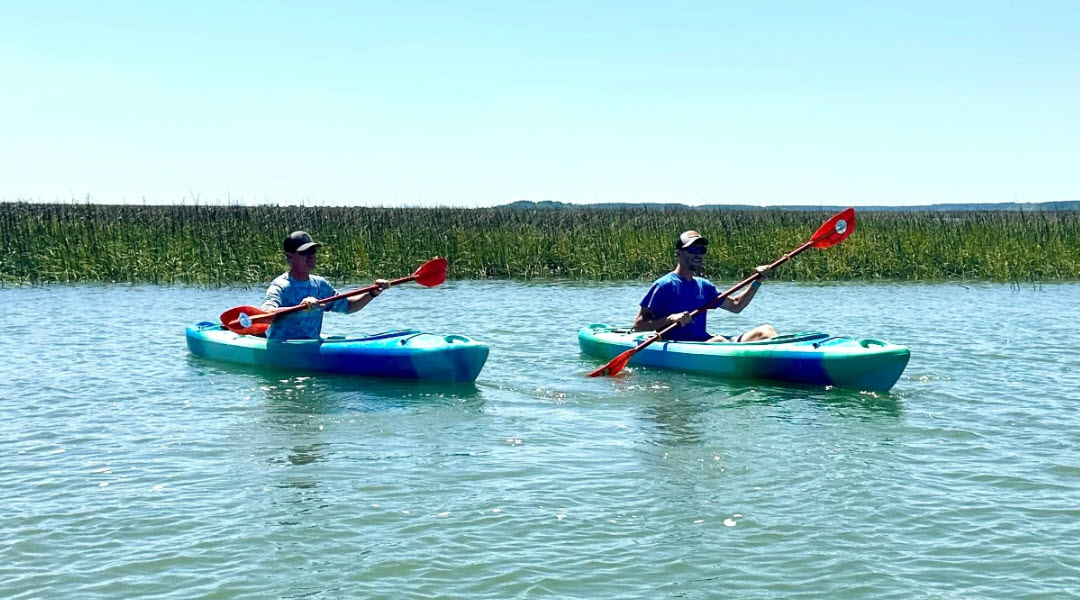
(1018, 206)
(238, 244)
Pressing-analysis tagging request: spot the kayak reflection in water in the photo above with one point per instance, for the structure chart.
(299, 286)
(674, 296)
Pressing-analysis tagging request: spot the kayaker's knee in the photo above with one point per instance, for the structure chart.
(762, 332)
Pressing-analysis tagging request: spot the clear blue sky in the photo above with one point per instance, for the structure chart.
(483, 103)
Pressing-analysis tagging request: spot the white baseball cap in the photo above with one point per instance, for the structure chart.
(689, 238)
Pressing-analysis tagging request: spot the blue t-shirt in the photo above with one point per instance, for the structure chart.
(286, 291)
(671, 294)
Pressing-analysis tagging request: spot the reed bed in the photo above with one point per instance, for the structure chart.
(221, 245)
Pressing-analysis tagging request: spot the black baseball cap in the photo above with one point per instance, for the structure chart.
(689, 238)
(298, 241)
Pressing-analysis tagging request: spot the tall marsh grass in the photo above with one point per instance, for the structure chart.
(214, 245)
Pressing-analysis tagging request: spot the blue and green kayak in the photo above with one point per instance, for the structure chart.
(401, 354)
(806, 358)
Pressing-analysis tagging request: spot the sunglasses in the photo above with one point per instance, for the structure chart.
(308, 252)
(698, 250)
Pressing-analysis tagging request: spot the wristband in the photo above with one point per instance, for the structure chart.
(755, 284)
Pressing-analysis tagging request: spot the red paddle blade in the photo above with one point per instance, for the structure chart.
(246, 320)
(616, 364)
(431, 273)
(835, 230)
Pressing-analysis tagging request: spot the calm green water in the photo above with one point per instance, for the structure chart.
(131, 469)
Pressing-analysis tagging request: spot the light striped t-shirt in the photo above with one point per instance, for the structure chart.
(286, 291)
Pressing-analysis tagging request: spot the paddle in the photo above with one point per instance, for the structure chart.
(831, 233)
(251, 320)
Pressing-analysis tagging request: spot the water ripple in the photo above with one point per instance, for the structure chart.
(134, 470)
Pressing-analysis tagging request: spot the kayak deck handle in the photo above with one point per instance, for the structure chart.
(821, 343)
(456, 338)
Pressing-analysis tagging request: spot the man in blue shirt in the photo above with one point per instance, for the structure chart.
(300, 286)
(674, 296)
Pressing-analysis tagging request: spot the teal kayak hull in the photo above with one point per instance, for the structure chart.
(804, 358)
(399, 354)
